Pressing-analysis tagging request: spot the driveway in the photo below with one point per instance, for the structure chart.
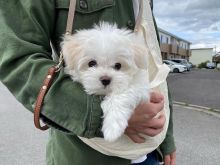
(199, 87)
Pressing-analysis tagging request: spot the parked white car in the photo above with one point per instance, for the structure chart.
(183, 62)
(210, 65)
(175, 67)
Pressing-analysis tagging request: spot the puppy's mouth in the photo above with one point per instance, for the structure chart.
(107, 89)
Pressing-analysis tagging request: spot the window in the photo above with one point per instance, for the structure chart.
(164, 39)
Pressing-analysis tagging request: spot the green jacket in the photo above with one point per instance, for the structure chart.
(26, 29)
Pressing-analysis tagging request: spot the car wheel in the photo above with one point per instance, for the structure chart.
(176, 70)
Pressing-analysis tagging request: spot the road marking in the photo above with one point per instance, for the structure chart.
(214, 112)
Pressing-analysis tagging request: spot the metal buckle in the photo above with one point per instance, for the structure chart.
(59, 65)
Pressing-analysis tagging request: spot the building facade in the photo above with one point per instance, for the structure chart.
(173, 46)
(201, 55)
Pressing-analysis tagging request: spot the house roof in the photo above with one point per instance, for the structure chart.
(200, 48)
(217, 54)
(168, 33)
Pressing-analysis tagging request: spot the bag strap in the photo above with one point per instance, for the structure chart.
(46, 85)
(139, 17)
(52, 71)
(70, 18)
(146, 28)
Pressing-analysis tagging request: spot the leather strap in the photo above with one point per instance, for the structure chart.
(52, 71)
(46, 85)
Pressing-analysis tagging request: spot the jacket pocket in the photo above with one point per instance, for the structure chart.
(88, 13)
(85, 6)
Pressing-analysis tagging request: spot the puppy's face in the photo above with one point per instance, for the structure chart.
(103, 59)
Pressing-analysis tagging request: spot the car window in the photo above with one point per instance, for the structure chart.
(174, 63)
(180, 61)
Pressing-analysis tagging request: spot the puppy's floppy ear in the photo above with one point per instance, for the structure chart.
(71, 51)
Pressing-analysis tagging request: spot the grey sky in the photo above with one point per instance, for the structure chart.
(195, 20)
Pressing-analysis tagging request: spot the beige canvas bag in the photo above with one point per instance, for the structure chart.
(158, 72)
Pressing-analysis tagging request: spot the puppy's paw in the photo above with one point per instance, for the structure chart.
(116, 114)
(111, 134)
(113, 128)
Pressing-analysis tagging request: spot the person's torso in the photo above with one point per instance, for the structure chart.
(91, 12)
(68, 149)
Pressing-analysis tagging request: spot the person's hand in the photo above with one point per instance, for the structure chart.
(170, 159)
(143, 121)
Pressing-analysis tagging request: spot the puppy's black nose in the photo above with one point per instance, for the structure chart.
(105, 80)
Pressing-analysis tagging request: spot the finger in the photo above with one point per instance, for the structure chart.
(156, 97)
(136, 138)
(147, 121)
(130, 130)
(173, 162)
(152, 109)
(167, 160)
(151, 131)
(173, 158)
(155, 123)
(149, 107)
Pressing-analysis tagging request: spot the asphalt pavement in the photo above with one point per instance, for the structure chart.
(197, 136)
(196, 133)
(199, 86)
(20, 142)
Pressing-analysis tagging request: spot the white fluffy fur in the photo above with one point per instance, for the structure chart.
(108, 45)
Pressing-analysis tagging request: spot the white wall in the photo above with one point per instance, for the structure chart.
(201, 55)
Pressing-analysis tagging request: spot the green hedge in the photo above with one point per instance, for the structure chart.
(203, 64)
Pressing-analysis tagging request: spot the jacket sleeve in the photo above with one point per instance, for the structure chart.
(168, 145)
(25, 56)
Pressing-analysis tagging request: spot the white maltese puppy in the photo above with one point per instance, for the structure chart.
(111, 62)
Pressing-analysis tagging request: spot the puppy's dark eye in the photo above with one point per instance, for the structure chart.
(117, 66)
(92, 63)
